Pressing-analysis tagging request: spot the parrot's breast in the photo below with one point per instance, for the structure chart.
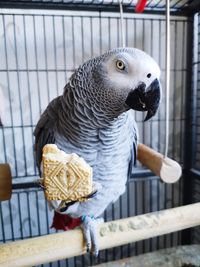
(108, 153)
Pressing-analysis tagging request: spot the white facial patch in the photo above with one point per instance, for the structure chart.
(138, 68)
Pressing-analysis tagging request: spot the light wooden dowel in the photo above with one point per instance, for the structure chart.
(167, 169)
(116, 233)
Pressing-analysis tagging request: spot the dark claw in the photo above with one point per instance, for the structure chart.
(93, 194)
(40, 184)
(88, 247)
(95, 253)
(67, 206)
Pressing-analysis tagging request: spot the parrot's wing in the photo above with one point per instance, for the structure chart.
(44, 131)
(133, 157)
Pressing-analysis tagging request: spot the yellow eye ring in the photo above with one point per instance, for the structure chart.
(120, 65)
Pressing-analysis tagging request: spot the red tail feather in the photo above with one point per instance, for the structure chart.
(64, 222)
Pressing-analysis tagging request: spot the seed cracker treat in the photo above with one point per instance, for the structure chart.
(66, 176)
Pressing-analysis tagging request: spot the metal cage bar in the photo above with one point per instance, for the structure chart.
(177, 6)
(195, 123)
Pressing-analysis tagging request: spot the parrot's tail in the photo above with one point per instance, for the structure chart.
(64, 222)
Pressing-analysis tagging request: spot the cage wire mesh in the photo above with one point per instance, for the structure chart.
(39, 51)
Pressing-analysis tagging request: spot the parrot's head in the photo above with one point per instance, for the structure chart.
(128, 78)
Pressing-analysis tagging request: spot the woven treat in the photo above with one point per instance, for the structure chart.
(66, 176)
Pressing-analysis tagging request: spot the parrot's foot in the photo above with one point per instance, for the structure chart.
(89, 228)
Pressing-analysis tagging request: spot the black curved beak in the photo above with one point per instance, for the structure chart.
(1, 124)
(145, 99)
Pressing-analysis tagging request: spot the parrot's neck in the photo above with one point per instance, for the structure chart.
(79, 121)
(83, 109)
(83, 112)
(91, 98)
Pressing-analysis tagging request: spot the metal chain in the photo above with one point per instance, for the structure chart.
(122, 23)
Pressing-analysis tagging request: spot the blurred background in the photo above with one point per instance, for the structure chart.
(41, 43)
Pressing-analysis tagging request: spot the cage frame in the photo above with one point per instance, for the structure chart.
(187, 9)
(189, 173)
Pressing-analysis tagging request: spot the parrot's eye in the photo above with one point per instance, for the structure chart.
(149, 75)
(120, 65)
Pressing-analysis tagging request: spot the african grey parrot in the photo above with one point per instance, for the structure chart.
(93, 119)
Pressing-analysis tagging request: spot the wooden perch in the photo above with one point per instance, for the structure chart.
(5, 182)
(68, 244)
(167, 169)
